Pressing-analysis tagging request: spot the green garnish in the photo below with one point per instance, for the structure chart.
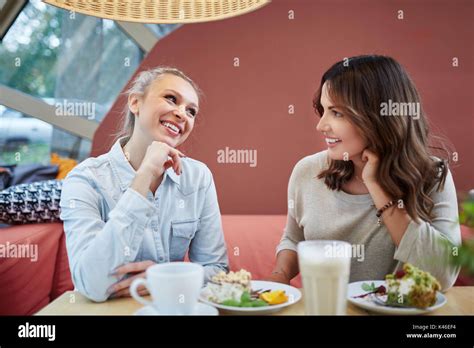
(232, 303)
(369, 287)
(245, 301)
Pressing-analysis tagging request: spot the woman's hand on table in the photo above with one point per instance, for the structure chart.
(278, 278)
(286, 267)
(136, 270)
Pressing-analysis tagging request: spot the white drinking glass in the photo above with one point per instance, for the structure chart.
(325, 269)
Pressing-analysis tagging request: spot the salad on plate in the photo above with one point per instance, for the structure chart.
(234, 289)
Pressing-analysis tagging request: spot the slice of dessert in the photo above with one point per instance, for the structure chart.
(411, 287)
(228, 286)
(241, 278)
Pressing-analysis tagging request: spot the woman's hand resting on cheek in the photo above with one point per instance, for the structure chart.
(135, 270)
(369, 171)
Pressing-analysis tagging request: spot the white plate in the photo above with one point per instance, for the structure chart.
(294, 295)
(201, 309)
(355, 289)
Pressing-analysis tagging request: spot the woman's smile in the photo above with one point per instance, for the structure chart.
(172, 128)
(331, 142)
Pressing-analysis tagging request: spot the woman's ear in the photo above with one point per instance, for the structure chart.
(133, 103)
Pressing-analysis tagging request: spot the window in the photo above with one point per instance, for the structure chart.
(161, 30)
(61, 57)
(52, 53)
(25, 139)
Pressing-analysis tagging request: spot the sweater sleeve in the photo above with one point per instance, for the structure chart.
(424, 244)
(293, 232)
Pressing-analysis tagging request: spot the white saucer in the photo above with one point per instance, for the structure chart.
(201, 309)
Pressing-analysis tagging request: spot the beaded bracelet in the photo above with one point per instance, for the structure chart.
(381, 210)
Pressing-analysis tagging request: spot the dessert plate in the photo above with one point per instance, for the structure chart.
(369, 304)
(294, 295)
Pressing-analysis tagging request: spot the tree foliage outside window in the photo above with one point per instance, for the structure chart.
(58, 56)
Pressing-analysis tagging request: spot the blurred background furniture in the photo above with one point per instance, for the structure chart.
(28, 286)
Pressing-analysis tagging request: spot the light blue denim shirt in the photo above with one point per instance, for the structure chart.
(109, 224)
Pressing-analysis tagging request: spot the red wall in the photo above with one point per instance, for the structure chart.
(281, 63)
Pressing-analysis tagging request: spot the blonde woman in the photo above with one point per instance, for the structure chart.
(143, 202)
(378, 185)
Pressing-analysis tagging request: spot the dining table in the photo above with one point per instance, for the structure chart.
(460, 301)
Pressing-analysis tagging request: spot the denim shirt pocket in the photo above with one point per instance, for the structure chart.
(182, 233)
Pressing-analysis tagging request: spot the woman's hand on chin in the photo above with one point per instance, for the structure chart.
(369, 171)
(157, 159)
(136, 270)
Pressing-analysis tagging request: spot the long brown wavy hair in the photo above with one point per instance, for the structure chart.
(408, 169)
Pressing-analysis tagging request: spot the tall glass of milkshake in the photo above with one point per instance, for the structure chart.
(325, 268)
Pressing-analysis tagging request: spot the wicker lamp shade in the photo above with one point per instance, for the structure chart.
(161, 11)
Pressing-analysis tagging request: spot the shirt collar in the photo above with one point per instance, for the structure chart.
(123, 169)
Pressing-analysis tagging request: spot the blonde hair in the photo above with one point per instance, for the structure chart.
(140, 86)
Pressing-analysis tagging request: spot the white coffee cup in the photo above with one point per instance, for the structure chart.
(174, 287)
(325, 270)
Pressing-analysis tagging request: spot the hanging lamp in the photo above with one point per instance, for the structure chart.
(161, 11)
